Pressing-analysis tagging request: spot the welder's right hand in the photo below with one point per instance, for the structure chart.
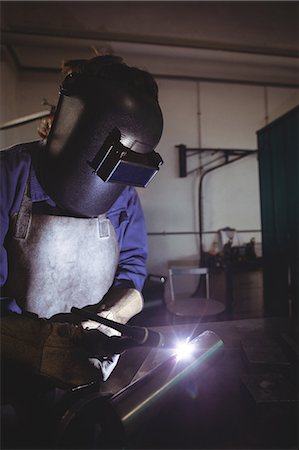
(53, 350)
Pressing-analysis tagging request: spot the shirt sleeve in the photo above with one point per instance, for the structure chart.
(127, 218)
(14, 172)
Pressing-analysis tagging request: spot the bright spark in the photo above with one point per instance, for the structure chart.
(184, 350)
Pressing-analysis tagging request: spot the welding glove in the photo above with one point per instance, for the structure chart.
(53, 350)
(119, 305)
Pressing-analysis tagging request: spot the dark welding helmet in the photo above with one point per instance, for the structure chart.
(106, 127)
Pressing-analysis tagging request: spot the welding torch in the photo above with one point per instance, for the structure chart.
(132, 336)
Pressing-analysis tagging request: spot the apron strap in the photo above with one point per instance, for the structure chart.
(23, 217)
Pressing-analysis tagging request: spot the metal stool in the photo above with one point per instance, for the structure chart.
(192, 304)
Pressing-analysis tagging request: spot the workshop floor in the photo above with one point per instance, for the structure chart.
(156, 314)
(247, 302)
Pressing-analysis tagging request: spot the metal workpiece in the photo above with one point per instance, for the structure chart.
(98, 421)
(140, 400)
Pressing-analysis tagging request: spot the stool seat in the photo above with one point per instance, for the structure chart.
(192, 303)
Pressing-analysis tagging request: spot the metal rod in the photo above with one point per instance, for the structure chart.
(133, 403)
(23, 120)
(217, 150)
(103, 423)
(183, 233)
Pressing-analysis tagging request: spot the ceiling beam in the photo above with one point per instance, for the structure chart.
(7, 36)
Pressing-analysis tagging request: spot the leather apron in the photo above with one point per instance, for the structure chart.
(56, 262)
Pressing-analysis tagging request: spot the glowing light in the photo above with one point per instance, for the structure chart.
(176, 378)
(184, 350)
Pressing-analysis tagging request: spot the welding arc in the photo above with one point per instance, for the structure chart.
(141, 335)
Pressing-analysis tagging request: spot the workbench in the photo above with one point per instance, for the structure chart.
(247, 400)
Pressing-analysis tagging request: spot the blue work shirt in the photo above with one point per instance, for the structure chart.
(126, 216)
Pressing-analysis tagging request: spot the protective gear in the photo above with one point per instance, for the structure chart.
(59, 261)
(117, 163)
(53, 350)
(106, 363)
(119, 305)
(106, 126)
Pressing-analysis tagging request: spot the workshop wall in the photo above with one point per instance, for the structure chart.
(8, 95)
(210, 115)
(197, 114)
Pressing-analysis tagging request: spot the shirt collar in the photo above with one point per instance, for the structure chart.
(37, 193)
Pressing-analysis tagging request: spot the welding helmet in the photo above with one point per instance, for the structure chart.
(105, 129)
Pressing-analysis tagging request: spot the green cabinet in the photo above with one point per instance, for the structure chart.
(278, 148)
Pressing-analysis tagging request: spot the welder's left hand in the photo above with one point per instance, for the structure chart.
(119, 305)
(99, 348)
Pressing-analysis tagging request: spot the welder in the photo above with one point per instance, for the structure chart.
(72, 226)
